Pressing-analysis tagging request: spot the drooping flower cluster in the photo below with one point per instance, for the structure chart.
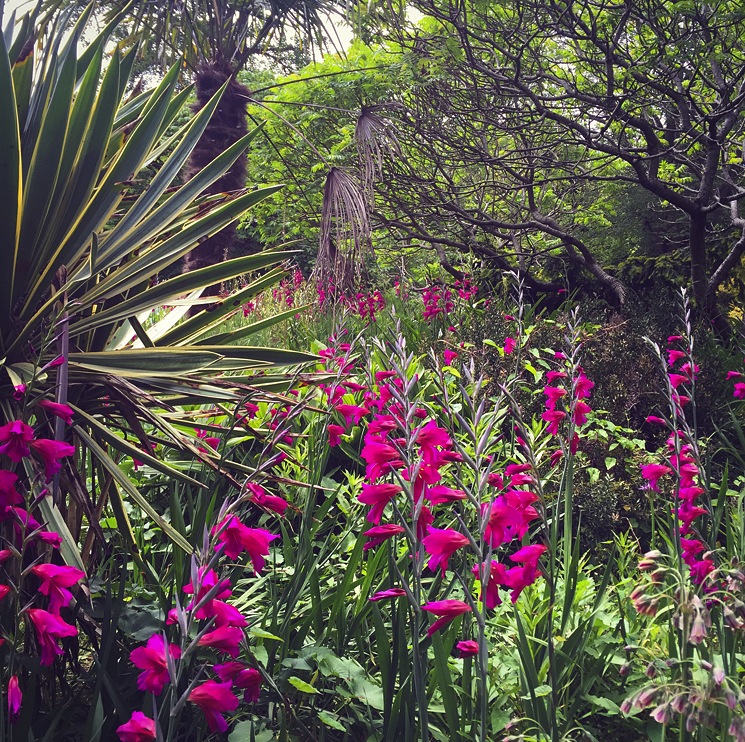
(219, 627)
(438, 301)
(41, 613)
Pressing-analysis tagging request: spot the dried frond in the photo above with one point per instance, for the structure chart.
(345, 231)
(376, 139)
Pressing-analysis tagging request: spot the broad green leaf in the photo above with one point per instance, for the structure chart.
(301, 685)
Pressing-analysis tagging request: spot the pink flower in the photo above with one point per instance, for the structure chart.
(529, 556)
(225, 614)
(8, 494)
(378, 534)
(352, 412)
(429, 437)
(244, 678)
(377, 495)
(582, 386)
(49, 629)
(450, 356)
(394, 592)
(58, 410)
(553, 418)
(236, 538)
(139, 728)
(52, 452)
(552, 376)
(55, 579)
(14, 440)
(441, 544)
(224, 638)
(739, 392)
(207, 580)
(467, 648)
(653, 473)
(380, 458)
(447, 610)
(335, 433)
(509, 345)
(579, 414)
(260, 497)
(553, 395)
(439, 494)
(673, 356)
(4, 590)
(214, 699)
(151, 659)
(15, 698)
(655, 420)
(495, 578)
(18, 391)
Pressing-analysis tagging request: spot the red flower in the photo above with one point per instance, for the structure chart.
(439, 494)
(378, 534)
(579, 414)
(51, 453)
(509, 345)
(225, 638)
(244, 678)
(553, 395)
(14, 440)
(380, 458)
(49, 629)
(138, 729)
(335, 433)
(552, 376)
(582, 386)
(529, 556)
(441, 544)
(494, 579)
(58, 410)
(207, 580)
(226, 614)
(352, 412)
(450, 356)
(55, 580)
(447, 610)
(237, 538)
(429, 437)
(152, 660)
(467, 648)
(739, 392)
(15, 698)
(214, 699)
(377, 495)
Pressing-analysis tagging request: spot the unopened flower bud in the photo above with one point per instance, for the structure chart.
(624, 670)
(651, 670)
(730, 699)
(718, 676)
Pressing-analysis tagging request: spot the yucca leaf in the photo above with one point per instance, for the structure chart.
(259, 356)
(23, 75)
(125, 447)
(11, 189)
(124, 482)
(215, 314)
(146, 361)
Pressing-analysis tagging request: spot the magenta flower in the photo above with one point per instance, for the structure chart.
(55, 579)
(49, 629)
(139, 728)
(244, 678)
(509, 345)
(226, 614)
(14, 440)
(446, 610)
(15, 698)
(528, 556)
(58, 410)
(467, 648)
(450, 356)
(378, 496)
(673, 356)
(260, 497)
(441, 544)
(378, 534)
(335, 433)
(236, 538)
(380, 458)
(52, 453)
(224, 638)
(256, 542)
(653, 473)
(553, 395)
(739, 392)
(151, 659)
(394, 592)
(207, 580)
(583, 386)
(8, 494)
(505, 521)
(495, 578)
(429, 437)
(439, 494)
(18, 391)
(552, 376)
(352, 412)
(4, 590)
(553, 418)
(579, 413)
(214, 699)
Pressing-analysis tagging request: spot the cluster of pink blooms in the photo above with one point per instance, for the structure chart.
(506, 518)
(438, 301)
(739, 390)
(286, 290)
(683, 465)
(466, 289)
(220, 627)
(560, 405)
(363, 304)
(18, 442)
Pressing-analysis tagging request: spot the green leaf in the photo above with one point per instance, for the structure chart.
(301, 685)
(331, 720)
(259, 633)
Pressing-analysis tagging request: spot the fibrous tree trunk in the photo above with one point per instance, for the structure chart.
(227, 125)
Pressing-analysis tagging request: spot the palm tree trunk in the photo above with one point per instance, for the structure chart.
(227, 125)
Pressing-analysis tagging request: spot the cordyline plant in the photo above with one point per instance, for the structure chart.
(92, 211)
(696, 588)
